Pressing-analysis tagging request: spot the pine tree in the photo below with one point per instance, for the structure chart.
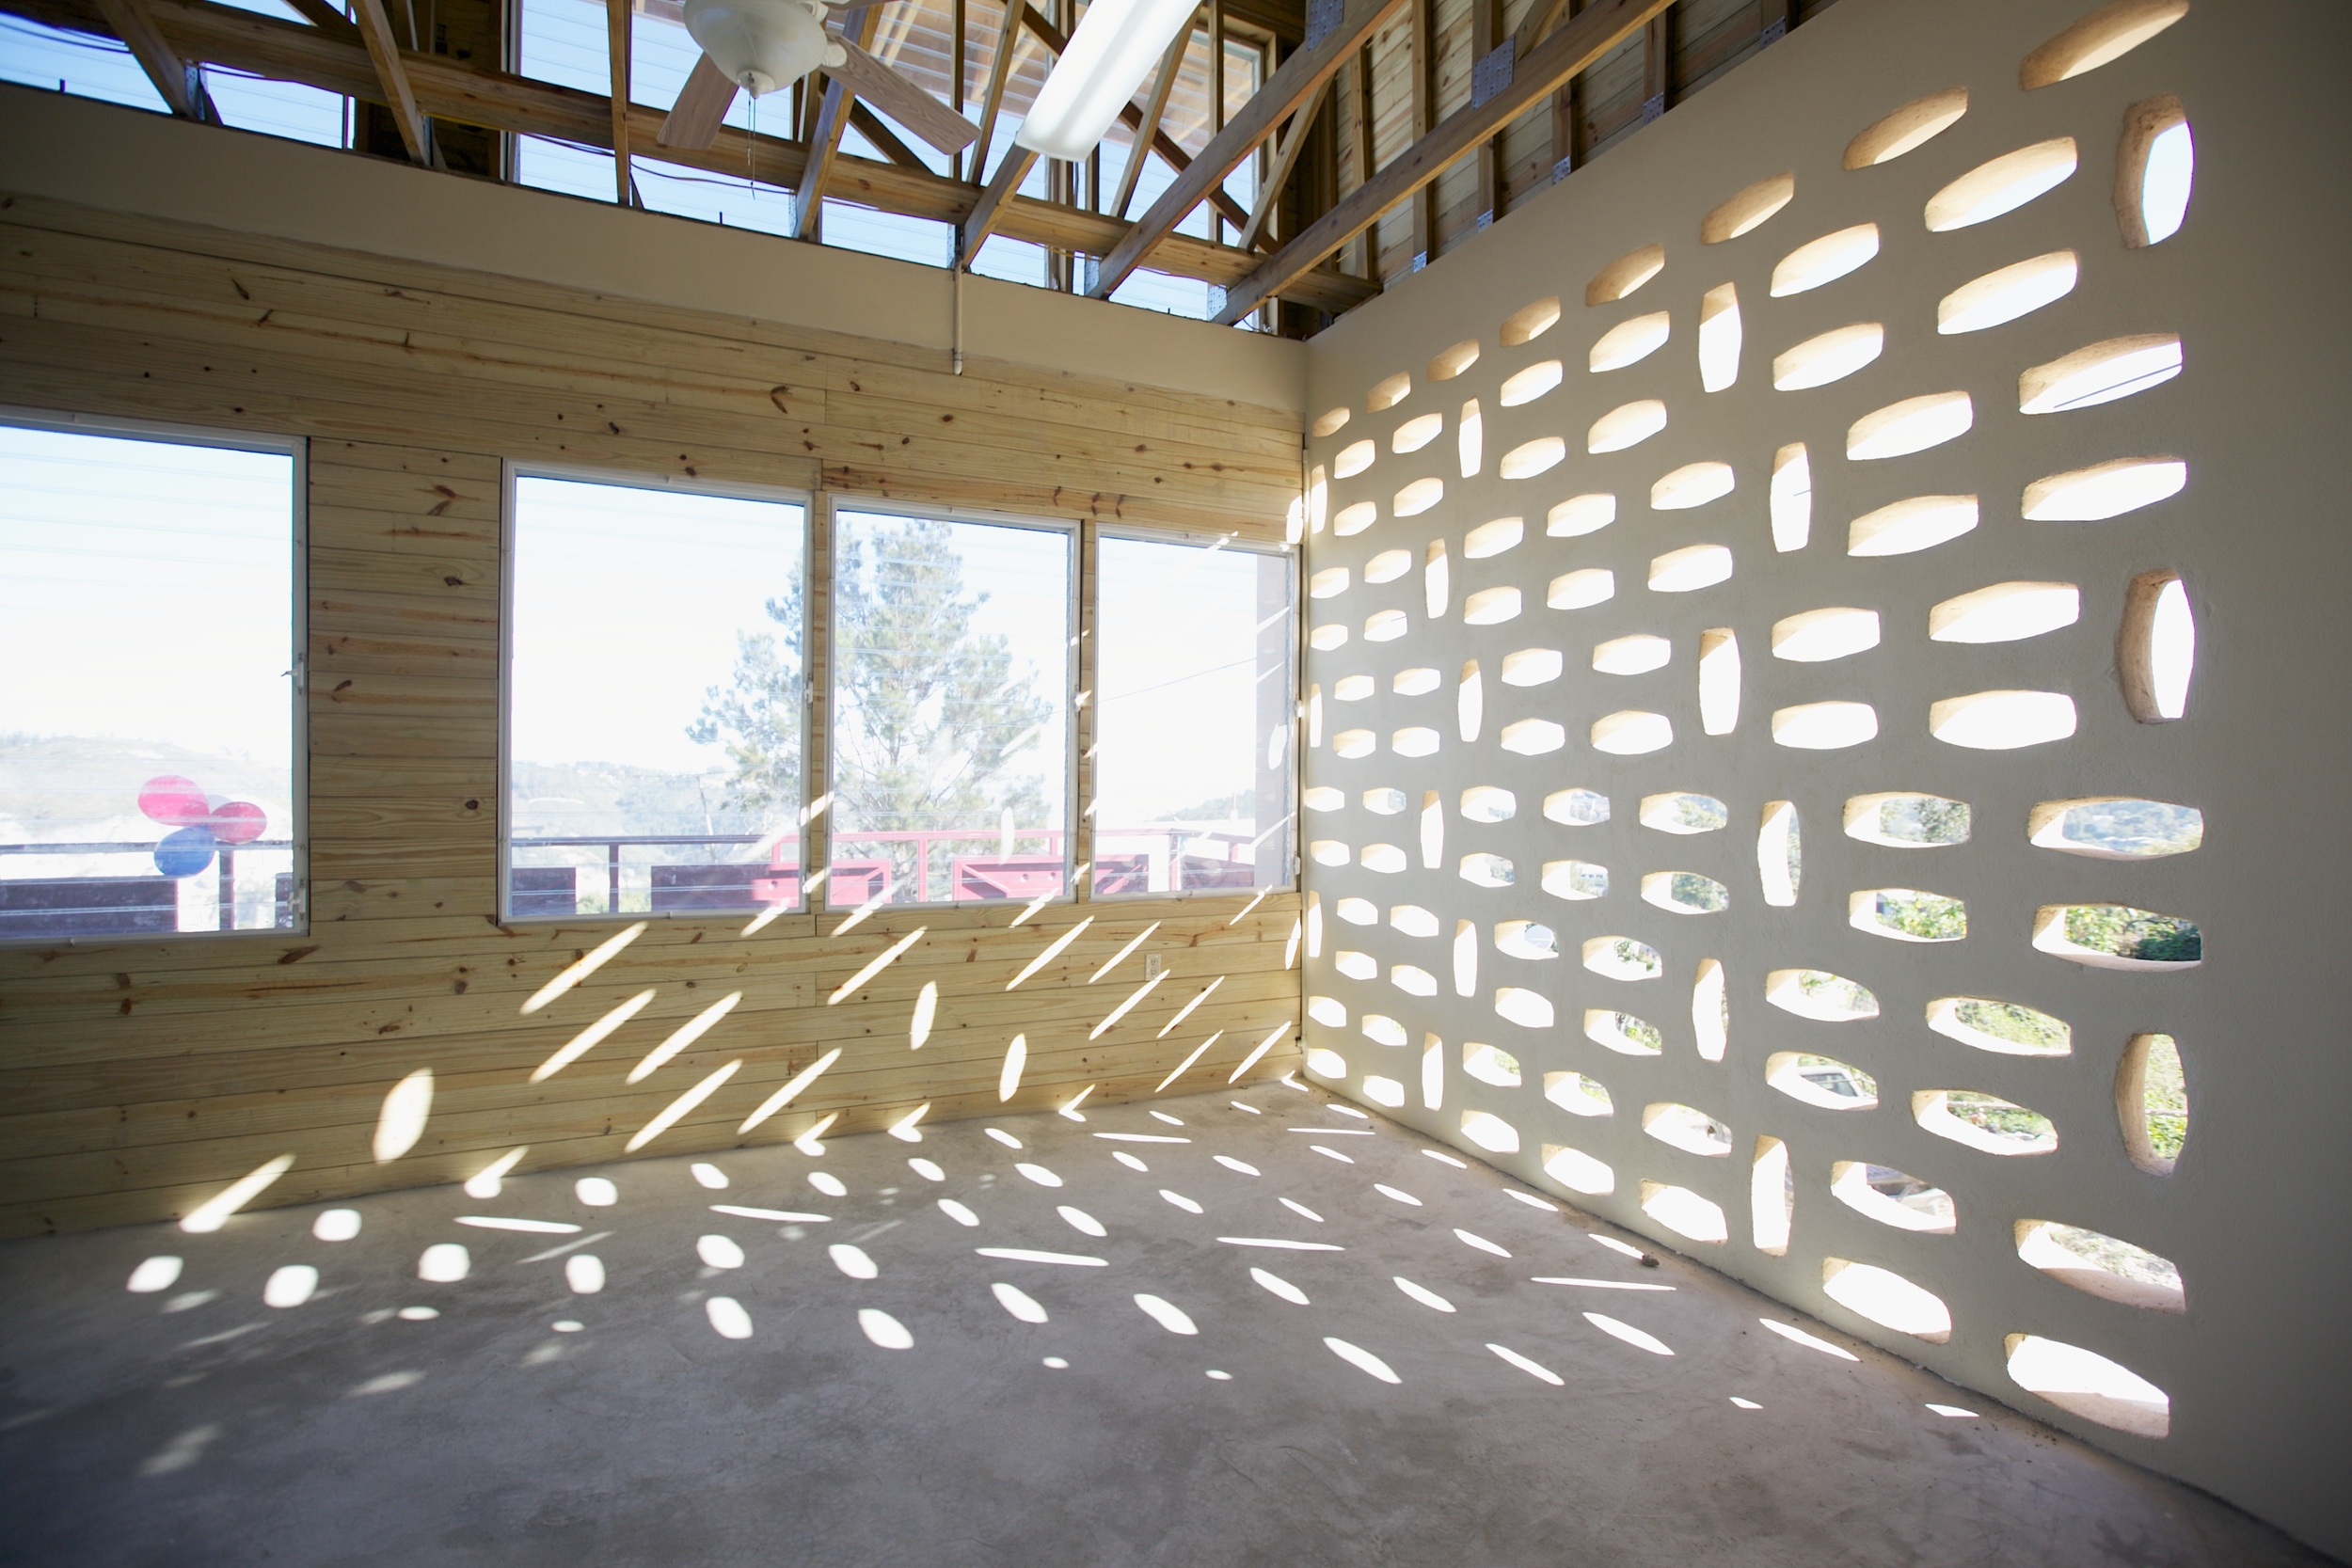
(930, 714)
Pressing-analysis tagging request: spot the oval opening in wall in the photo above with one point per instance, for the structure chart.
(1893, 1198)
(1792, 498)
(1354, 965)
(1827, 727)
(1332, 421)
(2100, 1265)
(1385, 625)
(1816, 993)
(1693, 484)
(1354, 458)
(1818, 636)
(1354, 518)
(1576, 808)
(1575, 880)
(1719, 338)
(1684, 893)
(1832, 355)
(1771, 1198)
(2001, 184)
(1578, 1095)
(1530, 321)
(1692, 568)
(1384, 800)
(1493, 538)
(1351, 744)
(1328, 583)
(2099, 373)
(1626, 274)
(1912, 425)
(1683, 811)
(1622, 958)
(2103, 490)
(1417, 433)
(1491, 606)
(2116, 827)
(2002, 721)
(2106, 34)
(2005, 613)
(1388, 566)
(1888, 1299)
(1631, 732)
(1684, 1213)
(1825, 259)
(1916, 122)
(1779, 854)
(1907, 914)
(1530, 458)
(1454, 360)
(2151, 1103)
(1532, 666)
(1412, 920)
(1578, 1171)
(1748, 209)
(1416, 682)
(2155, 171)
(1581, 514)
(1623, 1033)
(1487, 870)
(1629, 342)
(1488, 803)
(1532, 737)
(1528, 939)
(1414, 740)
(2006, 294)
(1323, 798)
(2117, 936)
(2086, 1384)
(1383, 858)
(2003, 1028)
(1490, 1065)
(1526, 1008)
(1687, 1128)
(1983, 1122)
(2156, 647)
(1823, 1081)
(1388, 392)
(1901, 819)
(1419, 497)
(1635, 655)
(1627, 425)
(1382, 1030)
(1525, 387)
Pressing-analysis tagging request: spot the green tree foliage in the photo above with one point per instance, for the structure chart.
(930, 712)
(2130, 933)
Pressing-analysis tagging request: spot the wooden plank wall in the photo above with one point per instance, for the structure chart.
(138, 1079)
(1701, 40)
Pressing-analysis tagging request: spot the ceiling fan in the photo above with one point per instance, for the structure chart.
(757, 46)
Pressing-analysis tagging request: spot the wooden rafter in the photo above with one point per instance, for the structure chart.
(392, 71)
(824, 144)
(178, 85)
(993, 204)
(447, 89)
(1147, 130)
(1298, 79)
(1278, 173)
(886, 142)
(617, 14)
(1000, 72)
(1598, 29)
(1130, 117)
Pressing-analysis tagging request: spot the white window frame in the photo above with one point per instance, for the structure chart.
(298, 449)
(1144, 534)
(511, 470)
(1072, 529)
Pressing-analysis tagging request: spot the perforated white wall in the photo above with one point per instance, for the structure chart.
(1816, 623)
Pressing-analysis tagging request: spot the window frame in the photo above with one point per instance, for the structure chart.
(1143, 534)
(510, 470)
(1075, 667)
(297, 449)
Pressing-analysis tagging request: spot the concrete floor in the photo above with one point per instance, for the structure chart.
(520, 1421)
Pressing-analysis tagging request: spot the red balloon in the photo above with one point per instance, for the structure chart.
(238, 822)
(174, 802)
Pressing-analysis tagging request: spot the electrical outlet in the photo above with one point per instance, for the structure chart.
(1153, 966)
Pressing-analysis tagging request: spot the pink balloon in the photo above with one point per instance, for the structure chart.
(238, 822)
(174, 801)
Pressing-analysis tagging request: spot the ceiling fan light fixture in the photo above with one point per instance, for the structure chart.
(1116, 44)
(763, 44)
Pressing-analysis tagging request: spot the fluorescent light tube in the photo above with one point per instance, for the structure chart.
(1117, 43)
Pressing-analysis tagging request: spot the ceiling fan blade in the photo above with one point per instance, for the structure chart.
(902, 101)
(702, 105)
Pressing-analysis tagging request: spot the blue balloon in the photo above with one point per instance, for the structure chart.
(185, 852)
